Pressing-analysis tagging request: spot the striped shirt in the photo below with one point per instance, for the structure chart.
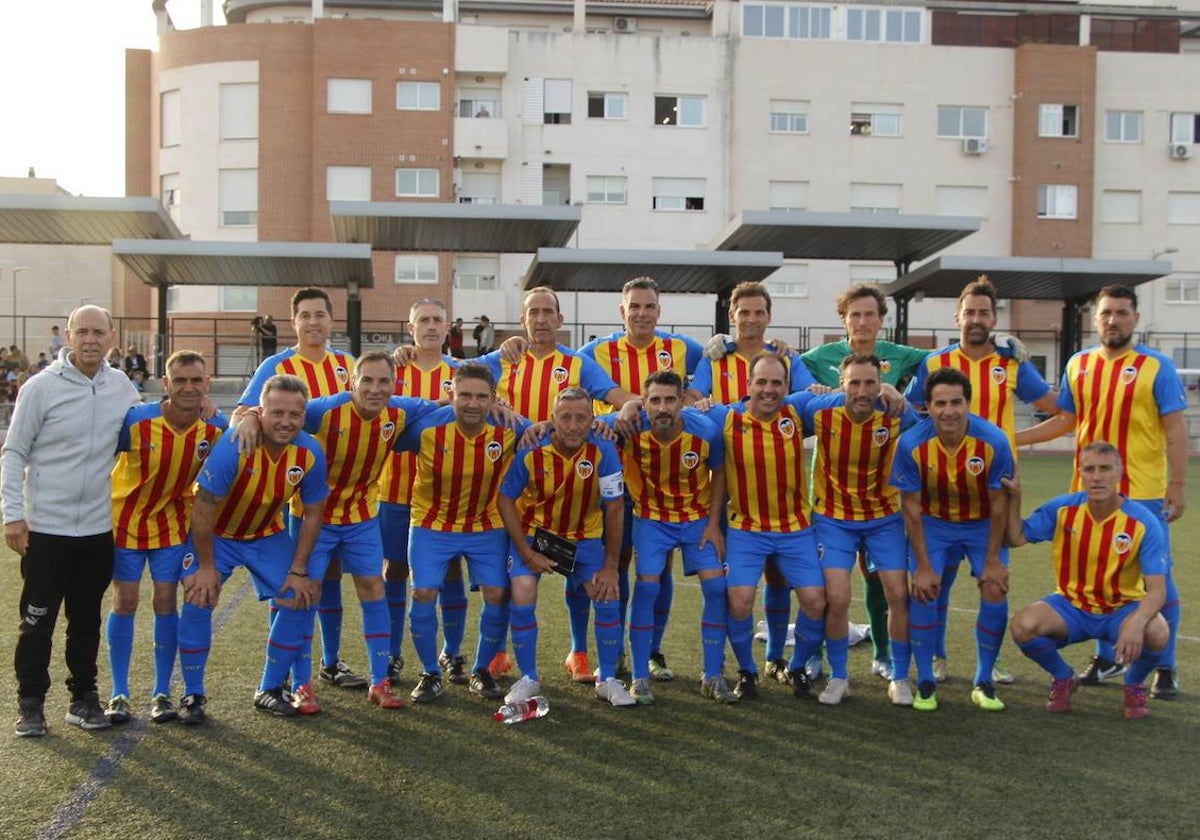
(953, 485)
(562, 493)
(400, 469)
(531, 384)
(331, 375)
(727, 380)
(628, 366)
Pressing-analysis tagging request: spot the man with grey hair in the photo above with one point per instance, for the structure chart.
(64, 430)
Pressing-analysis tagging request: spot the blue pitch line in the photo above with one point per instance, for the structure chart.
(71, 812)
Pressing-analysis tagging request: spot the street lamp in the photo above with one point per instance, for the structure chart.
(1170, 249)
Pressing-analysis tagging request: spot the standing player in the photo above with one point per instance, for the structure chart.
(1110, 566)
(1132, 396)
(856, 511)
(948, 469)
(557, 487)
(462, 457)
(237, 520)
(324, 371)
(163, 446)
(674, 466)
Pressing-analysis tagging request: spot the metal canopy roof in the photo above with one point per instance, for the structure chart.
(1029, 278)
(845, 236)
(607, 269)
(441, 226)
(188, 262)
(79, 220)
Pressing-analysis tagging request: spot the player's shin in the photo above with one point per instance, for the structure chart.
(714, 620)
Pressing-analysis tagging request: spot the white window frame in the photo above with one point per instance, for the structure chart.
(346, 96)
(662, 100)
(794, 289)
(1183, 207)
(234, 212)
(416, 269)
(1182, 288)
(1123, 127)
(1058, 120)
(170, 119)
(793, 21)
(558, 97)
(1115, 206)
(861, 191)
(615, 105)
(884, 25)
(487, 188)
(1185, 127)
(678, 195)
(603, 186)
(876, 120)
(237, 298)
(960, 117)
(421, 186)
(428, 96)
(238, 110)
(788, 196)
(1058, 201)
(472, 100)
(788, 116)
(477, 273)
(345, 183)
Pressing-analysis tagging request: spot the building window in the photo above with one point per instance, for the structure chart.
(237, 298)
(683, 111)
(1183, 208)
(1058, 121)
(238, 197)
(678, 194)
(789, 117)
(1057, 201)
(608, 106)
(417, 182)
(875, 198)
(1121, 207)
(1123, 126)
(606, 189)
(478, 274)
(896, 26)
(1183, 288)
(239, 111)
(171, 195)
(479, 188)
(868, 120)
(479, 103)
(786, 21)
(787, 195)
(1185, 128)
(347, 183)
(950, 200)
(556, 102)
(791, 288)
(348, 96)
(960, 121)
(416, 268)
(418, 96)
(171, 121)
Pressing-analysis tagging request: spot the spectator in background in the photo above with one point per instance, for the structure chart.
(42, 363)
(267, 334)
(17, 360)
(485, 336)
(56, 341)
(454, 339)
(113, 358)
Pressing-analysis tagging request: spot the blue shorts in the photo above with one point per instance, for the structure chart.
(1083, 625)
(359, 546)
(653, 541)
(948, 542)
(393, 530)
(430, 553)
(795, 555)
(589, 559)
(838, 543)
(267, 559)
(166, 564)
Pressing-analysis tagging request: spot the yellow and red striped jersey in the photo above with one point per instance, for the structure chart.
(400, 469)
(561, 493)
(672, 482)
(727, 380)
(1121, 401)
(531, 385)
(331, 375)
(254, 488)
(953, 485)
(1099, 565)
(152, 480)
(629, 366)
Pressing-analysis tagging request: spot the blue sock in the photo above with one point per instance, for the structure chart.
(1044, 651)
(453, 600)
(662, 610)
(283, 646)
(396, 593)
(714, 625)
(810, 632)
(901, 658)
(195, 638)
(119, 633)
(302, 668)
(624, 594)
(922, 635)
(777, 607)
(641, 627)
(943, 610)
(1137, 672)
(378, 634)
(330, 611)
(1105, 650)
(422, 621)
(839, 655)
(741, 636)
(608, 636)
(522, 620)
(989, 636)
(166, 643)
(579, 607)
(1170, 611)
(493, 629)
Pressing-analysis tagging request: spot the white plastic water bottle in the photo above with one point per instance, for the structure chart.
(534, 707)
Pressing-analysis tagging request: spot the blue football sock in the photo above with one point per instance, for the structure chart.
(579, 607)
(283, 646)
(195, 638)
(422, 622)
(1105, 650)
(302, 668)
(810, 632)
(741, 637)
(1138, 671)
(641, 627)
(989, 636)
(396, 593)
(330, 612)
(714, 625)
(493, 630)
(838, 651)
(901, 659)
(624, 594)
(777, 608)
(662, 610)
(943, 610)
(453, 600)
(1170, 611)
(166, 643)
(608, 637)
(118, 631)
(922, 636)
(1044, 651)
(522, 621)
(377, 633)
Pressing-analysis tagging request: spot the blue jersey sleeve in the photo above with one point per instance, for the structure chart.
(915, 392)
(492, 360)
(800, 400)
(253, 393)
(594, 380)
(695, 352)
(313, 488)
(1002, 461)
(610, 466)
(800, 376)
(1154, 550)
(909, 418)
(219, 420)
(1066, 399)
(1041, 524)
(221, 467)
(905, 477)
(517, 477)
(702, 378)
(124, 439)
(1030, 385)
(414, 409)
(314, 414)
(1168, 387)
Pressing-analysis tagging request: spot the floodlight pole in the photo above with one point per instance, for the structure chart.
(160, 340)
(1070, 339)
(354, 318)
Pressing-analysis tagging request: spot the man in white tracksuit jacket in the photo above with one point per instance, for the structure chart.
(55, 494)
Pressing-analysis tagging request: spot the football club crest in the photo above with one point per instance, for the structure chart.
(584, 469)
(880, 436)
(202, 449)
(388, 430)
(786, 427)
(664, 360)
(1122, 543)
(342, 374)
(493, 451)
(999, 375)
(1128, 374)
(885, 366)
(691, 460)
(295, 475)
(975, 465)
(560, 375)
(189, 560)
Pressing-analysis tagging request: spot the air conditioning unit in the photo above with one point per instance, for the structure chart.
(975, 145)
(1180, 151)
(624, 24)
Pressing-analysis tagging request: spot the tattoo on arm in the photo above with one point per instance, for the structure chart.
(206, 496)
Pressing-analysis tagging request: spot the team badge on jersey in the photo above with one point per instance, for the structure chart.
(786, 427)
(975, 465)
(1122, 543)
(560, 375)
(999, 375)
(493, 451)
(189, 560)
(295, 475)
(388, 430)
(885, 365)
(691, 460)
(342, 374)
(664, 360)
(584, 469)
(880, 436)
(1128, 374)
(202, 450)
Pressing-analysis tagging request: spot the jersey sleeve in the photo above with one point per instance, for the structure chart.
(1040, 526)
(492, 360)
(1152, 553)
(693, 353)
(909, 418)
(800, 400)
(1031, 387)
(915, 392)
(593, 378)
(799, 375)
(315, 413)
(612, 481)
(124, 437)
(908, 361)
(253, 393)
(905, 476)
(702, 380)
(1168, 388)
(716, 449)
(1002, 461)
(313, 488)
(220, 468)
(219, 420)
(517, 477)
(1066, 397)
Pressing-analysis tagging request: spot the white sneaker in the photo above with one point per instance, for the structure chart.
(613, 691)
(882, 668)
(900, 693)
(522, 690)
(836, 690)
(641, 692)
